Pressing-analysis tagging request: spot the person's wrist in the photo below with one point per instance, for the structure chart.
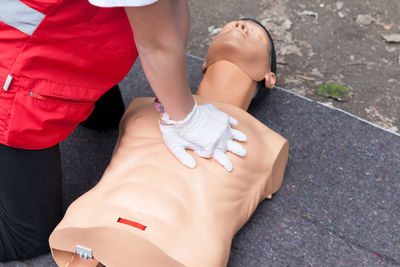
(165, 119)
(182, 108)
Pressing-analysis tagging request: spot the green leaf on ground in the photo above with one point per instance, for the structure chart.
(335, 91)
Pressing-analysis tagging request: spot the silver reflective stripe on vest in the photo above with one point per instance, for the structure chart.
(7, 82)
(20, 16)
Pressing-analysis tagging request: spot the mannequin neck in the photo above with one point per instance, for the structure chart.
(227, 83)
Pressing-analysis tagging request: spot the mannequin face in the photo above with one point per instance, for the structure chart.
(245, 44)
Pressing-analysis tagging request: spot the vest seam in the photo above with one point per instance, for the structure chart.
(7, 124)
(30, 36)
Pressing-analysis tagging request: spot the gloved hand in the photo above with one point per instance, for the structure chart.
(207, 131)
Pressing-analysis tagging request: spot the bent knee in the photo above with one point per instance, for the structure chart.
(21, 240)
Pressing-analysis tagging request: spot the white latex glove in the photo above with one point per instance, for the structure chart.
(207, 131)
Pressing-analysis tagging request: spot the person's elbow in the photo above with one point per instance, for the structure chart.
(160, 45)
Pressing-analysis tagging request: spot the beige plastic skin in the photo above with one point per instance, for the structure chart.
(245, 44)
(191, 215)
(234, 87)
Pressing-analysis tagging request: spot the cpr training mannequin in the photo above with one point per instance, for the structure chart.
(150, 210)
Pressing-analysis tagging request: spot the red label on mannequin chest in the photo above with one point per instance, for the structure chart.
(132, 223)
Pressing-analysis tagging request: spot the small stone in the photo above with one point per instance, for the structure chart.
(392, 38)
(327, 104)
(351, 57)
(341, 14)
(214, 30)
(308, 13)
(287, 24)
(390, 49)
(339, 5)
(322, 5)
(364, 20)
(387, 27)
(316, 72)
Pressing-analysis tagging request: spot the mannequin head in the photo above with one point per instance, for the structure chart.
(247, 44)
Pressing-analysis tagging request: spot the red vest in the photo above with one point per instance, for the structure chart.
(57, 57)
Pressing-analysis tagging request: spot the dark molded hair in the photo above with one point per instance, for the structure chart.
(272, 53)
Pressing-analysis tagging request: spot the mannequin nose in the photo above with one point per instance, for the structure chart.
(240, 25)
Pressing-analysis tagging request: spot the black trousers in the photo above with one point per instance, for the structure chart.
(30, 200)
(31, 187)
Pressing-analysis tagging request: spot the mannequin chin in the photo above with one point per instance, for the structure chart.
(150, 210)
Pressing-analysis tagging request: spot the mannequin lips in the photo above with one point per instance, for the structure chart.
(231, 34)
(241, 32)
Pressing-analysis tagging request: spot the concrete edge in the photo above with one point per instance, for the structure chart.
(334, 108)
(340, 110)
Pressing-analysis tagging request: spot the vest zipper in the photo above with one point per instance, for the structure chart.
(58, 98)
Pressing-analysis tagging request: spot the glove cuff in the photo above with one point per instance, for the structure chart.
(165, 117)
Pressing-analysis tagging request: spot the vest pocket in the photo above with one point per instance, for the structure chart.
(58, 99)
(39, 121)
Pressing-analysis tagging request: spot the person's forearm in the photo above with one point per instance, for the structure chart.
(182, 18)
(165, 69)
(161, 46)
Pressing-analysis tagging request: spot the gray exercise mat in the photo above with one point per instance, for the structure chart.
(339, 204)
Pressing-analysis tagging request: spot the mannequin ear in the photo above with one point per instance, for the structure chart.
(204, 67)
(270, 79)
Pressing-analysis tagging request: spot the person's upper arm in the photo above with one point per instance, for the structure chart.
(120, 3)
